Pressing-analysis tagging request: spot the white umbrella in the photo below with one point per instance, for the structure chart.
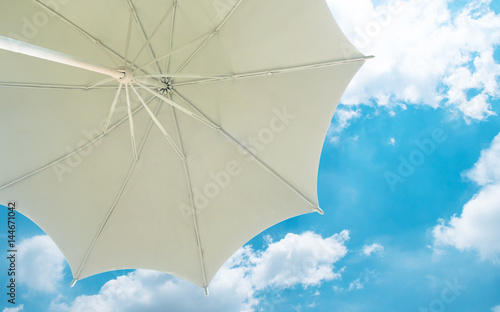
(197, 124)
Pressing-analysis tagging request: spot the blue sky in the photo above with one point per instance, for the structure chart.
(424, 240)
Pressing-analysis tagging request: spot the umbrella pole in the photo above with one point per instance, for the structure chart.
(122, 75)
(17, 46)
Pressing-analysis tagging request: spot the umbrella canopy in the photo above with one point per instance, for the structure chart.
(206, 130)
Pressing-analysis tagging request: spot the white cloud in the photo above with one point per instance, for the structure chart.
(425, 53)
(41, 264)
(359, 283)
(306, 259)
(477, 227)
(335, 139)
(368, 250)
(355, 285)
(496, 309)
(342, 120)
(392, 141)
(16, 309)
(487, 169)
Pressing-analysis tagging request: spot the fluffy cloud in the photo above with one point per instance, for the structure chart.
(41, 264)
(368, 250)
(306, 259)
(487, 169)
(444, 59)
(496, 309)
(16, 309)
(477, 227)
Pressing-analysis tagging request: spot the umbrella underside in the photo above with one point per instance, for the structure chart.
(207, 131)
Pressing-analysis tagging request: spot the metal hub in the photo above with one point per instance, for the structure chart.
(128, 76)
(168, 86)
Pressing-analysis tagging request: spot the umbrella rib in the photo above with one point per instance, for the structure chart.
(113, 106)
(277, 71)
(101, 45)
(206, 122)
(131, 124)
(216, 31)
(193, 205)
(100, 82)
(239, 145)
(117, 199)
(48, 86)
(182, 47)
(160, 126)
(148, 41)
(243, 148)
(185, 165)
(129, 32)
(58, 160)
(181, 76)
(172, 28)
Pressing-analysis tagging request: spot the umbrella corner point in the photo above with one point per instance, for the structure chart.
(205, 289)
(319, 210)
(73, 282)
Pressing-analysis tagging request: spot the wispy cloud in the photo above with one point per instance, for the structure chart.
(16, 309)
(355, 285)
(341, 121)
(374, 248)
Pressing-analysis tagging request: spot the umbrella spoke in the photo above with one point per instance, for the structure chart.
(129, 32)
(100, 82)
(107, 50)
(159, 125)
(30, 85)
(131, 124)
(148, 41)
(66, 156)
(179, 49)
(224, 21)
(193, 203)
(172, 29)
(272, 72)
(117, 199)
(183, 76)
(112, 110)
(179, 107)
(244, 149)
